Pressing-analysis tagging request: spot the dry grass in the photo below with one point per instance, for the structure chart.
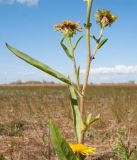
(25, 110)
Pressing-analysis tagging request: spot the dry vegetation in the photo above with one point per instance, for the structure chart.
(25, 110)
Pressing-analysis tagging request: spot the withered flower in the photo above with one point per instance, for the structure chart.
(68, 28)
(105, 18)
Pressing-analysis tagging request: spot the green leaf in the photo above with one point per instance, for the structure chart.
(78, 73)
(66, 50)
(62, 148)
(77, 119)
(102, 43)
(39, 65)
(92, 36)
(90, 121)
(78, 42)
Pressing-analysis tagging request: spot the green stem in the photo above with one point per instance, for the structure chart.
(80, 157)
(101, 33)
(69, 42)
(88, 26)
(98, 40)
(89, 11)
(74, 62)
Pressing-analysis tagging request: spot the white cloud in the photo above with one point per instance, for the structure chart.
(25, 2)
(118, 73)
(118, 69)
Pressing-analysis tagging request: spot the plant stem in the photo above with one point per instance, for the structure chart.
(87, 25)
(74, 62)
(101, 33)
(98, 40)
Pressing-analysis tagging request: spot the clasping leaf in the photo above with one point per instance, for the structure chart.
(66, 50)
(78, 42)
(77, 119)
(62, 148)
(39, 65)
(102, 43)
(90, 121)
(92, 36)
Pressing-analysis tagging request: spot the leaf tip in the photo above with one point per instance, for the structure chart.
(6, 44)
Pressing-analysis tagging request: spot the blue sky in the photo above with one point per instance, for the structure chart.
(28, 26)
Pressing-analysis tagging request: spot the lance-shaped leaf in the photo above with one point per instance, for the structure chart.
(102, 43)
(92, 36)
(38, 64)
(78, 42)
(78, 73)
(62, 148)
(66, 49)
(77, 119)
(90, 121)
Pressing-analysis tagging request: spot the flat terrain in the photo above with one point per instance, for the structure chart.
(25, 110)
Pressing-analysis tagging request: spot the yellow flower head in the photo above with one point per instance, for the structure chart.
(82, 149)
(105, 18)
(68, 28)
